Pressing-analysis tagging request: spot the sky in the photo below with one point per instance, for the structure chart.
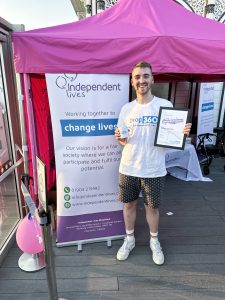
(37, 13)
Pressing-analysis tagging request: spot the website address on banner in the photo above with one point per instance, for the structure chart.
(94, 195)
(94, 202)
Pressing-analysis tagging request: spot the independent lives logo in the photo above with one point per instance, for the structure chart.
(76, 89)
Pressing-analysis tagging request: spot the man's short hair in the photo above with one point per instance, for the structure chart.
(142, 64)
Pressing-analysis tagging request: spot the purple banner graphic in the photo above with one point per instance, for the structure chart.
(90, 226)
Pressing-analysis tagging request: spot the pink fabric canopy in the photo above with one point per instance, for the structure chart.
(178, 43)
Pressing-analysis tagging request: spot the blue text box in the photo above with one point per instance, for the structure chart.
(88, 127)
(208, 106)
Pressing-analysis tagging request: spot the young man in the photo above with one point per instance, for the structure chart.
(142, 167)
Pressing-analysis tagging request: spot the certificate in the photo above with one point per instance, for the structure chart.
(169, 131)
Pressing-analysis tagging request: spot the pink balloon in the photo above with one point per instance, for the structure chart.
(29, 236)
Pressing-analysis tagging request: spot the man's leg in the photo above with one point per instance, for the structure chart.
(152, 190)
(128, 193)
(152, 216)
(129, 214)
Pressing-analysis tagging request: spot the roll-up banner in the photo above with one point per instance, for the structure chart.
(206, 109)
(84, 112)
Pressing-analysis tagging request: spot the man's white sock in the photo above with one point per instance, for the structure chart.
(130, 234)
(154, 236)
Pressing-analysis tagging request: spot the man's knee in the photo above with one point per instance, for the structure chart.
(130, 206)
(153, 211)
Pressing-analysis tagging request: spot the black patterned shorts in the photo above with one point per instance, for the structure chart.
(151, 189)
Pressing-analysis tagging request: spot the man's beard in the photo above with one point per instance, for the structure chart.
(139, 87)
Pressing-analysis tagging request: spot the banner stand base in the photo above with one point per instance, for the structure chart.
(79, 247)
(109, 243)
(32, 262)
(80, 243)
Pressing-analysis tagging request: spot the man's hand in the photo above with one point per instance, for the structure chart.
(187, 128)
(117, 137)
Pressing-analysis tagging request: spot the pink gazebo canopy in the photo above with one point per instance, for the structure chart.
(179, 44)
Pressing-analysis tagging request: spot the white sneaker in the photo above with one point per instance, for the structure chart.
(157, 254)
(126, 248)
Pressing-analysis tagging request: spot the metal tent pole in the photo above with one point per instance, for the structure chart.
(20, 97)
(33, 140)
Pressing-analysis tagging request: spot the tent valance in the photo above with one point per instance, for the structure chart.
(175, 41)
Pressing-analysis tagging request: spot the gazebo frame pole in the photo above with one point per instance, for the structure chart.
(32, 133)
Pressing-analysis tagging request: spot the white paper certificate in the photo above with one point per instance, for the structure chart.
(169, 132)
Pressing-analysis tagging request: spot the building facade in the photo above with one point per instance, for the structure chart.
(10, 141)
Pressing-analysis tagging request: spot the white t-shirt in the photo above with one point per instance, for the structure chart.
(140, 157)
